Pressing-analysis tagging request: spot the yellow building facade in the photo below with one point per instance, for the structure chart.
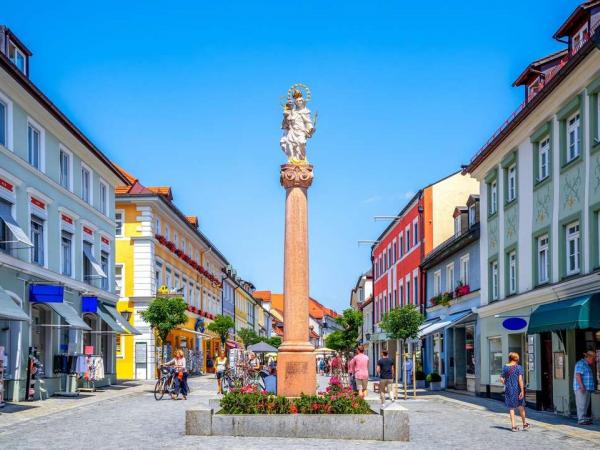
(158, 250)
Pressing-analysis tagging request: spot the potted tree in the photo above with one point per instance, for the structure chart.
(435, 381)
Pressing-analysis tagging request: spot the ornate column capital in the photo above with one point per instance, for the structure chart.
(296, 175)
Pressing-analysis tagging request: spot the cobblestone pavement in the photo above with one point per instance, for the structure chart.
(134, 420)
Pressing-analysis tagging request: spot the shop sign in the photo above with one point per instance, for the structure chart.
(89, 231)
(46, 293)
(89, 304)
(163, 289)
(40, 204)
(514, 323)
(67, 219)
(6, 185)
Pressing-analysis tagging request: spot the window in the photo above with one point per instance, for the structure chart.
(158, 278)
(407, 239)
(416, 232)
(3, 124)
(103, 198)
(176, 282)
(416, 288)
(464, 269)
(542, 251)
(401, 293)
(65, 169)
(494, 278)
(437, 283)
(119, 280)
(573, 137)
(512, 183)
(543, 159)
(37, 239)
(119, 223)
(184, 283)
(401, 245)
(176, 239)
(17, 57)
(512, 272)
(86, 185)
(104, 266)
(496, 358)
(450, 277)
(493, 197)
(66, 253)
(408, 291)
(183, 247)
(168, 280)
(457, 225)
(394, 253)
(34, 146)
(87, 263)
(572, 248)
(472, 215)
(167, 232)
(157, 231)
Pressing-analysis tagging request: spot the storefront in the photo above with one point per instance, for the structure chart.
(189, 338)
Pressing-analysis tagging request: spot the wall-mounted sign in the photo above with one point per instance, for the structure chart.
(163, 289)
(6, 185)
(46, 293)
(88, 231)
(67, 219)
(40, 204)
(514, 323)
(89, 304)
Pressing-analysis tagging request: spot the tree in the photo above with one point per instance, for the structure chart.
(248, 336)
(345, 339)
(221, 325)
(164, 314)
(402, 324)
(275, 341)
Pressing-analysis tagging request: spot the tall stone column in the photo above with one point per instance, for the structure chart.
(296, 372)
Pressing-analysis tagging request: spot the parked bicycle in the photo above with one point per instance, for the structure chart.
(165, 384)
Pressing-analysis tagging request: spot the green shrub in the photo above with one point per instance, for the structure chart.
(420, 375)
(433, 377)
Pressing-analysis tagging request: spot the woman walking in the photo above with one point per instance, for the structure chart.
(514, 389)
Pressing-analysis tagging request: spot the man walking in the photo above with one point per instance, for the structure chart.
(359, 366)
(385, 371)
(583, 385)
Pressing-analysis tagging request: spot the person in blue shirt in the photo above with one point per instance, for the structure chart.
(271, 381)
(583, 385)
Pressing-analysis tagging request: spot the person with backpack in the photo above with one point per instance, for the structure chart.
(514, 390)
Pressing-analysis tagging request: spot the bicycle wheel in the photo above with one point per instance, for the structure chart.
(159, 389)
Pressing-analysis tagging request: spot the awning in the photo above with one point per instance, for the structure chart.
(574, 313)
(95, 264)
(127, 328)
(9, 309)
(110, 321)
(437, 326)
(17, 232)
(68, 313)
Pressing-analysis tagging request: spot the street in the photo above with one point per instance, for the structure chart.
(131, 418)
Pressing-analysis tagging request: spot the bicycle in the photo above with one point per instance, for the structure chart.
(165, 384)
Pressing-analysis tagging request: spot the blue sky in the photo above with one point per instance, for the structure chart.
(187, 94)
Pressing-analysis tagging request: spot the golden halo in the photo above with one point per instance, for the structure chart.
(303, 89)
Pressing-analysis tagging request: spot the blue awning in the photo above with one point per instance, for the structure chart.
(46, 293)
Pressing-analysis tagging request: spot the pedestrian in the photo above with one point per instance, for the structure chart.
(322, 366)
(350, 371)
(583, 385)
(180, 375)
(336, 365)
(221, 367)
(271, 381)
(514, 389)
(385, 371)
(409, 369)
(360, 368)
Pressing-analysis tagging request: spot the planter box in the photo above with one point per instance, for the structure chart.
(390, 424)
(421, 384)
(435, 385)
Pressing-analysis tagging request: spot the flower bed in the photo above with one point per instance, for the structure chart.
(335, 400)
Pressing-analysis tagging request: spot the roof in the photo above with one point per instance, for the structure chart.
(192, 220)
(315, 309)
(165, 194)
(535, 65)
(574, 19)
(367, 302)
(13, 37)
(53, 110)
(450, 246)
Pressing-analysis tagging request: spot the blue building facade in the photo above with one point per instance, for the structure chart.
(449, 335)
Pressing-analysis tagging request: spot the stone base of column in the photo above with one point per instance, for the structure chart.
(296, 373)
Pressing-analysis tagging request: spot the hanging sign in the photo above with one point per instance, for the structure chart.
(89, 304)
(514, 323)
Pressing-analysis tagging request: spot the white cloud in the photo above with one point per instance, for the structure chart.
(372, 199)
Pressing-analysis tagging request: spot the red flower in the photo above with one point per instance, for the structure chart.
(293, 409)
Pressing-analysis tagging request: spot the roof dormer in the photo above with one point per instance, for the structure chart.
(580, 25)
(473, 205)
(537, 74)
(14, 50)
(461, 221)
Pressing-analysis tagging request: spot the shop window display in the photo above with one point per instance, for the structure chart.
(470, 349)
(496, 359)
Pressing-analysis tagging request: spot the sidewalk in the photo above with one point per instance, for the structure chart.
(14, 413)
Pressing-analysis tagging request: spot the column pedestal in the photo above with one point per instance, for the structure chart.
(296, 365)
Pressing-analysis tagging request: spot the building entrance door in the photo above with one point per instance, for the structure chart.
(546, 402)
(141, 361)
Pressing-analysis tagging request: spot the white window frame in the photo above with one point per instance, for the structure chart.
(408, 242)
(64, 150)
(457, 225)
(61, 262)
(472, 215)
(120, 212)
(512, 272)
(157, 225)
(18, 51)
(495, 280)
(544, 154)
(9, 121)
(416, 286)
(85, 167)
(573, 126)
(415, 232)
(542, 249)
(44, 224)
(104, 209)
(121, 291)
(573, 236)
(105, 282)
(167, 232)
(464, 269)
(407, 289)
(176, 239)
(401, 245)
(42, 138)
(450, 277)
(511, 192)
(437, 282)
(494, 197)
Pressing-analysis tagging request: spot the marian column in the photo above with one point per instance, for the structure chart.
(296, 365)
